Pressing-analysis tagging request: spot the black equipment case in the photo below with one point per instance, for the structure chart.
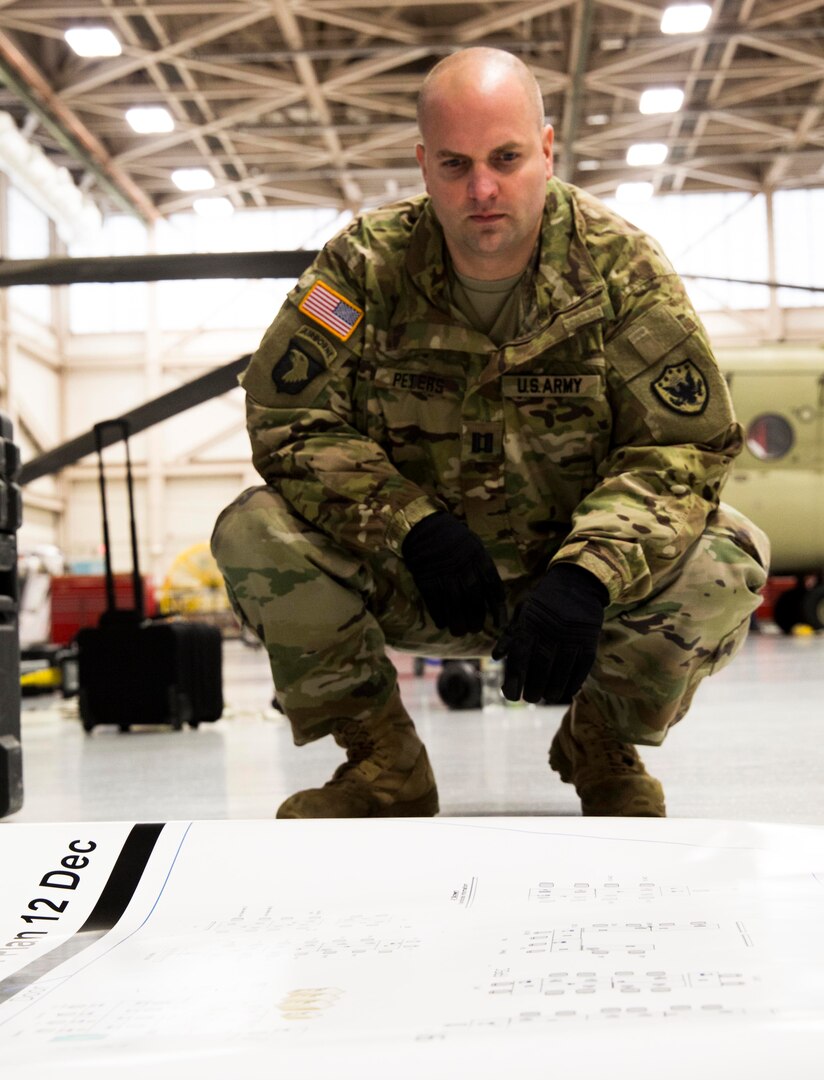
(133, 670)
(11, 758)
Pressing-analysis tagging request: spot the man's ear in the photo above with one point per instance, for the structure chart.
(547, 139)
(420, 154)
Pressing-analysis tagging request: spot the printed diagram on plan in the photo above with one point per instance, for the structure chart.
(307, 936)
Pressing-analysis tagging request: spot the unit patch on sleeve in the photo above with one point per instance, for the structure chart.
(682, 388)
(315, 340)
(331, 310)
(295, 370)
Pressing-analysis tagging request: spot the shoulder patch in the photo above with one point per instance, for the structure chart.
(295, 370)
(314, 339)
(331, 310)
(682, 388)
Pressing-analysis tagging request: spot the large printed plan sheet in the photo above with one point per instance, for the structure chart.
(464, 947)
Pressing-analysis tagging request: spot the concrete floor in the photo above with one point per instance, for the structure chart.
(752, 748)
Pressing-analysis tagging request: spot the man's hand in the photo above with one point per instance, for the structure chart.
(457, 579)
(549, 646)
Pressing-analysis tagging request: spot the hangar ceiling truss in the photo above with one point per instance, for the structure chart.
(312, 102)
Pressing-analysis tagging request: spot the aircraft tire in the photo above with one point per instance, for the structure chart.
(787, 612)
(459, 684)
(812, 607)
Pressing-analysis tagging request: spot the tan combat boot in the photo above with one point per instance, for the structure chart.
(386, 774)
(608, 775)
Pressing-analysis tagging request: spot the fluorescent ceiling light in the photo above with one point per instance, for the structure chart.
(93, 41)
(661, 99)
(149, 120)
(589, 165)
(218, 207)
(634, 192)
(597, 119)
(193, 179)
(685, 18)
(647, 153)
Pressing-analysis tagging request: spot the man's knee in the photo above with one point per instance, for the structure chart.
(242, 528)
(292, 584)
(723, 576)
(653, 655)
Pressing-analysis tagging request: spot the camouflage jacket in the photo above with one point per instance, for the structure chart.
(602, 435)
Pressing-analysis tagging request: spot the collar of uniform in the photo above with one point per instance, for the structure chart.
(426, 258)
(565, 274)
(567, 290)
(426, 314)
(564, 290)
(509, 358)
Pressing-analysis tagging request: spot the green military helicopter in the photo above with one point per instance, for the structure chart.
(778, 395)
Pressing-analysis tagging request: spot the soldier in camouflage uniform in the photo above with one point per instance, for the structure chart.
(489, 421)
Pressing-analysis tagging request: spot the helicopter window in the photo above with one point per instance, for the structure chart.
(769, 437)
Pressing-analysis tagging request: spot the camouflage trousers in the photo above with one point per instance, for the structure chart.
(326, 615)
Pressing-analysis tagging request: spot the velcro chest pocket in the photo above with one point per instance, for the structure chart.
(418, 401)
(558, 417)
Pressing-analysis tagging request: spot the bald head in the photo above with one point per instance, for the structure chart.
(486, 156)
(484, 71)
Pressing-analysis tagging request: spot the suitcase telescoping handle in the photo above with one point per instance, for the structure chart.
(137, 582)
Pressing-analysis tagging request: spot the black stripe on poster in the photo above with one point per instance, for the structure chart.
(124, 878)
(111, 904)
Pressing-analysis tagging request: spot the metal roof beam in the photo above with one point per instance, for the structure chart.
(109, 73)
(22, 76)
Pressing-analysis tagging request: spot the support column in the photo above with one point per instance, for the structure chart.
(60, 325)
(5, 344)
(153, 528)
(775, 316)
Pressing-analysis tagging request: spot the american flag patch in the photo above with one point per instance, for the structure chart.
(331, 310)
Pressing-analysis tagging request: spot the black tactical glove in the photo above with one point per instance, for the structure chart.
(549, 646)
(458, 581)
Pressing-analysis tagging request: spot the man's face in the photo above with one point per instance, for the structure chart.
(485, 162)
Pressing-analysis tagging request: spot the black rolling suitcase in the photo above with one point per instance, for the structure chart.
(11, 758)
(133, 670)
